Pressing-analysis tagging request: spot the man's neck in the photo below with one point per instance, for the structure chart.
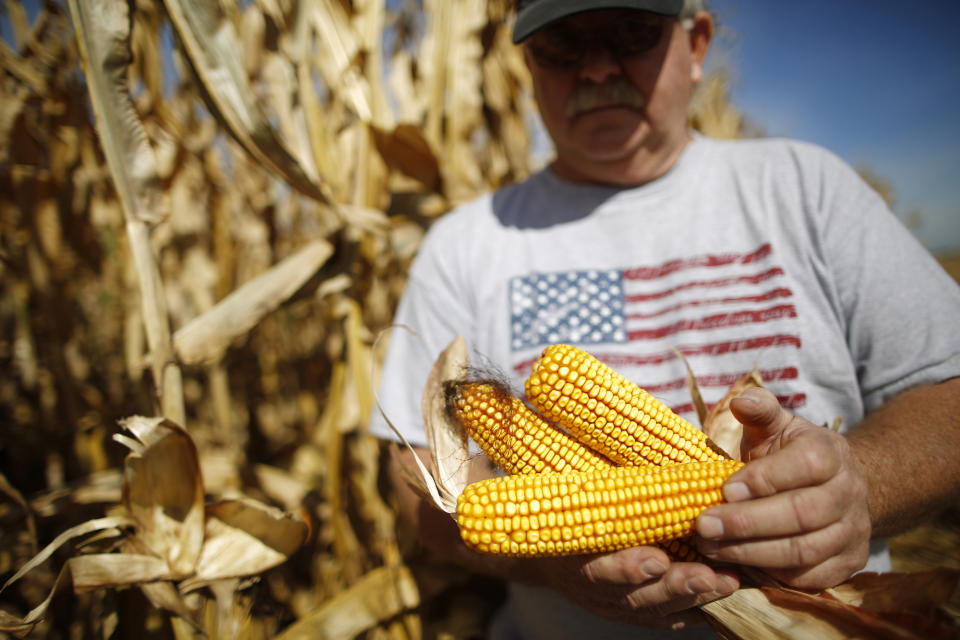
(640, 168)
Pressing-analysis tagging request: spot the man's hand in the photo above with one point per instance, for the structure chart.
(798, 509)
(636, 586)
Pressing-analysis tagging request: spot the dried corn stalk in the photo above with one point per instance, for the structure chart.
(234, 116)
(266, 183)
(166, 534)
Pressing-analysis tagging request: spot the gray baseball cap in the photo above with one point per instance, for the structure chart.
(533, 15)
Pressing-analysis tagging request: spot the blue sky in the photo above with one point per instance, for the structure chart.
(876, 82)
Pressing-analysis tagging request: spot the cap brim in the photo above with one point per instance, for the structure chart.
(540, 13)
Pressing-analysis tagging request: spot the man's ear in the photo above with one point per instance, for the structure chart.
(700, 34)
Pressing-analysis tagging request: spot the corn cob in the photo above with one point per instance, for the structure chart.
(588, 512)
(611, 414)
(515, 437)
(520, 441)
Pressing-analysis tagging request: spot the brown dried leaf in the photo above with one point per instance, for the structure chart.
(212, 44)
(103, 38)
(918, 593)
(244, 537)
(894, 606)
(857, 622)
(698, 402)
(88, 571)
(207, 336)
(103, 35)
(380, 595)
(88, 527)
(16, 496)
(748, 614)
(163, 491)
(18, 627)
(405, 149)
(96, 571)
(410, 101)
(164, 595)
(100, 570)
(720, 425)
(338, 49)
(282, 486)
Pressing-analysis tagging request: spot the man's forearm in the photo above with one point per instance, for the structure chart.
(907, 452)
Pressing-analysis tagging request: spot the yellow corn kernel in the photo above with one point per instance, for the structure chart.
(664, 503)
(515, 437)
(611, 414)
(683, 550)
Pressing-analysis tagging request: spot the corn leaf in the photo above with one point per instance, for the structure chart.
(381, 594)
(211, 44)
(163, 492)
(206, 338)
(86, 528)
(243, 538)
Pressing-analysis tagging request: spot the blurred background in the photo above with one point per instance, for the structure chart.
(221, 236)
(873, 83)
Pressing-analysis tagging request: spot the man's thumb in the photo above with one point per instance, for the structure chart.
(761, 416)
(755, 407)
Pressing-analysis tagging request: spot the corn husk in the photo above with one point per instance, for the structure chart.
(719, 424)
(166, 533)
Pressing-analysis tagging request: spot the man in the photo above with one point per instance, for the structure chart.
(642, 238)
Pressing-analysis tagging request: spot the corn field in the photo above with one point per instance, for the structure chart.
(207, 212)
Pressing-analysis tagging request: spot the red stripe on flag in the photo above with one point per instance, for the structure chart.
(773, 294)
(712, 349)
(709, 284)
(672, 266)
(794, 401)
(716, 321)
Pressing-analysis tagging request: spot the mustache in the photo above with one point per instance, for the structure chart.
(618, 92)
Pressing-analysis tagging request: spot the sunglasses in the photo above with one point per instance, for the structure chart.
(563, 45)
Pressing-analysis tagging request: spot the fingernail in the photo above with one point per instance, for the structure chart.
(726, 584)
(698, 585)
(736, 492)
(753, 394)
(709, 527)
(653, 568)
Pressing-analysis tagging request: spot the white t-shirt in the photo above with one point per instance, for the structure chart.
(768, 253)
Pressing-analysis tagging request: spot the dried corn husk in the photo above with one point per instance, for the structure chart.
(167, 533)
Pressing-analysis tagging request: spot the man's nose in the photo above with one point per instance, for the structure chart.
(598, 64)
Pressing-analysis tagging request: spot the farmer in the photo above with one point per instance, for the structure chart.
(643, 239)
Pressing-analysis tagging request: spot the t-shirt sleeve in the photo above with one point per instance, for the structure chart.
(898, 304)
(433, 310)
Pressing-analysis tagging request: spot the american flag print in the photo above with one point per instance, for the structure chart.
(713, 307)
(587, 307)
